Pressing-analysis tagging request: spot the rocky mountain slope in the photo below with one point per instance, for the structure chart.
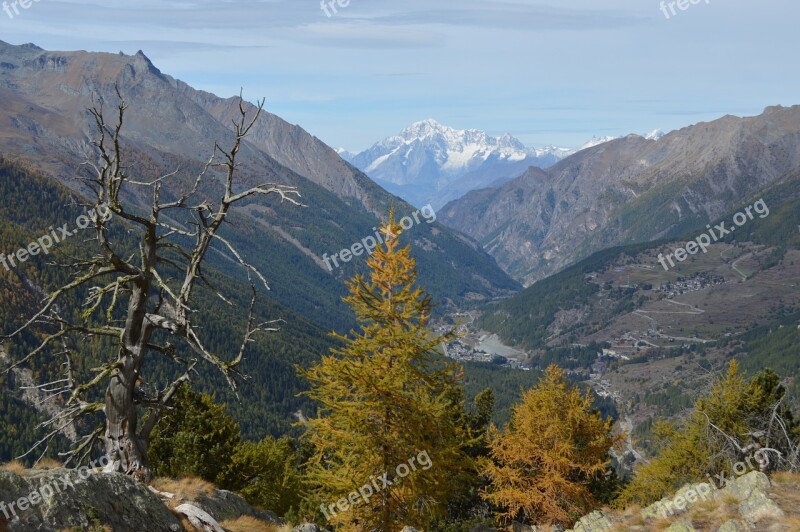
(171, 125)
(46, 137)
(628, 190)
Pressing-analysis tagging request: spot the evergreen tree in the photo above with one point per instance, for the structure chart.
(555, 447)
(266, 474)
(717, 434)
(195, 438)
(384, 398)
(200, 438)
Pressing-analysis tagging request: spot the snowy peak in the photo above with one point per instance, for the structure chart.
(425, 129)
(344, 154)
(596, 141)
(430, 131)
(431, 162)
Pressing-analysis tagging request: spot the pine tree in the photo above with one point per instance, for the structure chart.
(385, 398)
(556, 444)
(195, 438)
(714, 435)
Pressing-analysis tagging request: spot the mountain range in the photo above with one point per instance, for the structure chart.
(430, 163)
(627, 190)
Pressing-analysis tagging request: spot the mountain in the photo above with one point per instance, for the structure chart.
(661, 332)
(655, 134)
(592, 142)
(431, 163)
(628, 190)
(46, 135)
(346, 155)
(171, 123)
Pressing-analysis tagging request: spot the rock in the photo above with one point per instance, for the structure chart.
(198, 518)
(734, 525)
(743, 486)
(758, 506)
(680, 502)
(681, 526)
(224, 505)
(409, 529)
(59, 499)
(751, 490)
(308, 527)
(594, 522)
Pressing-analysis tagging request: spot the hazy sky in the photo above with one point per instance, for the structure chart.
(549, 71)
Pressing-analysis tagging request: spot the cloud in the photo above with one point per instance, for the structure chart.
(360, 34)
(507, 15)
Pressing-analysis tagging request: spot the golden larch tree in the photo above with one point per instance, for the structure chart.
(542, 464)
(387, 398)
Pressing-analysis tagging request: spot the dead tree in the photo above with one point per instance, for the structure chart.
(136, 287)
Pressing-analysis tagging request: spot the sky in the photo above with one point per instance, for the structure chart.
(550, 72)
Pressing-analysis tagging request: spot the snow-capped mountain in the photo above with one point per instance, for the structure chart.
(431, 163)
(594, 141)
(344, 154)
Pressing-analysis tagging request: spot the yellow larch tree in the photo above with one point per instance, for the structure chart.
(387, 398)
(555, 445)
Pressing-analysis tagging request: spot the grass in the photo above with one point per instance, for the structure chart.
(251, 524)
(786, 494)
(15, 467)
(48, 463)
(186, 489)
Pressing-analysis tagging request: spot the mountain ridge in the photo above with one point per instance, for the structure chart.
(627, 190)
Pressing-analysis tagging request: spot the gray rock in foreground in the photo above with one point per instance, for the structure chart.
(65, 498)
(87, 500)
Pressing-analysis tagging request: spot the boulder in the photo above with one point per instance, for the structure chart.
(224, 505)
(758, 506)
(734, 525)
(57, 499)
(199, 519)
(594, 522)
(308, 527)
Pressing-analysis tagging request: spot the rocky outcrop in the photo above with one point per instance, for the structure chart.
(224, 505)
(59, 499)
(743, 504)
